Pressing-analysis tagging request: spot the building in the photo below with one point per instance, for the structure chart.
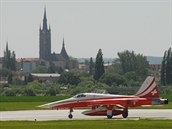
(58, 59)
(156, 67)
(27, 65)
(45, 40)
(46, 77)
(46, 57)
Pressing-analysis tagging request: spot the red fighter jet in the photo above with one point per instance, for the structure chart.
(111, 105)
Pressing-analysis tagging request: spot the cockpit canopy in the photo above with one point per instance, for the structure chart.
(80, 95)
(91, 95)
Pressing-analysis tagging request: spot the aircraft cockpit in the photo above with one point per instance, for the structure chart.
(80, 95)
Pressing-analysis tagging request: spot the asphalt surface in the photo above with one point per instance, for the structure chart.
(41, 115)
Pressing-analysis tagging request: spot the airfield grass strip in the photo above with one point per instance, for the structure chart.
(31, 98)
(88, 124)
(14, 106)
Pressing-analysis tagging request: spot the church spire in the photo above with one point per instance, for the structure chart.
(6, 45)
(63, 44)
(45, 20)
(45, 40)
(63, 51)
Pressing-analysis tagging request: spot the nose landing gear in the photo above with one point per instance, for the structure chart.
(70, 116)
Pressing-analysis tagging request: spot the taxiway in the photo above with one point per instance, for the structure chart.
(41, 115)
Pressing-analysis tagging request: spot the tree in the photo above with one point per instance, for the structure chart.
(9, 59)
(55, 69)
(129, 61)
(5, 72)
(169, 67)
(163, 69)
(99, 65)
(30, 78)
(113, 78)
(29, 92)
(166, 69)
(51, 91)
(51, 68)
(13, 61)
(91, 66)
(10, 93)
(69, 78)
(10, 78)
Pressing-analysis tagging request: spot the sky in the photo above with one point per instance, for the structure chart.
(144, 26)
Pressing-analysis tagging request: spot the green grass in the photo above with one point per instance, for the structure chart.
(166, 106)
(88, 124)
(31, 98)
(169, 96)
(9, 103)
(13, 106)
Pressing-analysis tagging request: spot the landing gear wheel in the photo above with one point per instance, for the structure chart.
(70, 116)
(70, 113)
(109, 116)
(125, 113)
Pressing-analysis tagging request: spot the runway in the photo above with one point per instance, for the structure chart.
(42, 115)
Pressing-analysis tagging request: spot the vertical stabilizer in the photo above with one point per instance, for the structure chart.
(149, 88)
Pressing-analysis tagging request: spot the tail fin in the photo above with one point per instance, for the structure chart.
(149, 88)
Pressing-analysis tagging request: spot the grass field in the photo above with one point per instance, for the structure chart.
(88, 124)
(8, 103)
(31, 98)
(12, 106)
(168, 96)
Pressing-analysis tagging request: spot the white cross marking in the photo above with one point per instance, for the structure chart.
(154, 92)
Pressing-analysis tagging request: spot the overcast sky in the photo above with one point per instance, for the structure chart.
(144, 26)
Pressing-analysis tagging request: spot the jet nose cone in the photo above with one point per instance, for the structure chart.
(55, 104)
(44, 106)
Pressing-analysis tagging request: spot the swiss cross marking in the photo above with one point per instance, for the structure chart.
(154, 92)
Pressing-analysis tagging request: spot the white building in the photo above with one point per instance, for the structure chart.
(27, 65)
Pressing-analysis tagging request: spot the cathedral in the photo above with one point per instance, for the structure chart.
(58, 59)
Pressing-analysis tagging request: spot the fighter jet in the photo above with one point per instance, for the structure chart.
(111, 105)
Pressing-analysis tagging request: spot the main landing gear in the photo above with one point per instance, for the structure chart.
(70, 113)
(114, 112)
(125, 113)
(109, 114)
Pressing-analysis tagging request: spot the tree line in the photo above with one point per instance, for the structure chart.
(127, 63)
(128, 69)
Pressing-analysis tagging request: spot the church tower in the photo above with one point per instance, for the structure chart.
(45, 40)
